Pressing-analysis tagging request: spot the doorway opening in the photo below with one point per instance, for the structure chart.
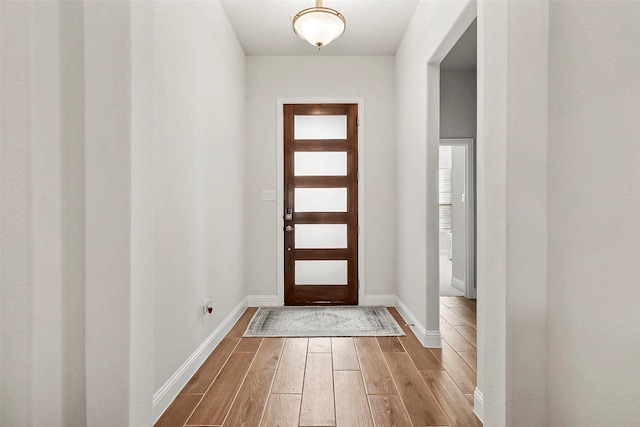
(457, 180)
(452, 86)
(456, 200)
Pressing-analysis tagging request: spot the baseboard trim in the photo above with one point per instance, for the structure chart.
(458, 284)
(429, 339)
(384, 300)
(262, 301)
(169, 390)
(478, 404)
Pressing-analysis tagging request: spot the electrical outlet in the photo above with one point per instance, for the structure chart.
(207, 307)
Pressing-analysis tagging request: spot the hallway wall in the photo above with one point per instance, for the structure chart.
(458, 110)
(594, 228)
(512, 210)
(417, 250)
(111, 111)
(42, 358)
(371, 77)
(198, 132)
(511, 199)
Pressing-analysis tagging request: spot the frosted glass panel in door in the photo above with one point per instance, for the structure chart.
(321, 199)
(320, 127)
(322, 163)
(318, 236)
(321, 272)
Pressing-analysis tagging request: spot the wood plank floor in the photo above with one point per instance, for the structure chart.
(350, 382)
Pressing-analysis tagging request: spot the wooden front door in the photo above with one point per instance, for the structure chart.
(320, 204)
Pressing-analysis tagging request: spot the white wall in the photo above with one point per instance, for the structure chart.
(18, 179)
(370, 77)
(108, 172)
(142, 215)
(41, 216)
(417, 162)
(73, 211)
(458, 104)
(199, 97)
(594, 200)
(512, 212)
(512, 87)
(96, 98)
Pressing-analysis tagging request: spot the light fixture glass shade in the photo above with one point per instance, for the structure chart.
(319, 25)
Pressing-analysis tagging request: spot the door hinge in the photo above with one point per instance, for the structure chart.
(358, 121)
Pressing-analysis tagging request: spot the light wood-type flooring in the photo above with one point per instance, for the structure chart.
(350, 382)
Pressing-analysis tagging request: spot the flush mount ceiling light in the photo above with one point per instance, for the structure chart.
(319, 25)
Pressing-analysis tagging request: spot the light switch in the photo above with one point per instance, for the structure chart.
(268, 195)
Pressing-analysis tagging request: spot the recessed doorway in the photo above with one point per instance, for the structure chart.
(457, 176)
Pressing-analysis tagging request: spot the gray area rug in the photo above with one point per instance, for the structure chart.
(336, 321)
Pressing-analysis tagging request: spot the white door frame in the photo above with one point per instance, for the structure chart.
(280, 187)
(470, 211)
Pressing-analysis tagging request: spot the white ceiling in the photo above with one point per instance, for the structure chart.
(374, 27)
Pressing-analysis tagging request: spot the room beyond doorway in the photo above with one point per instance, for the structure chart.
(456, 200)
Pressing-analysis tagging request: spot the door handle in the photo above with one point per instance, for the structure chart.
(289, 228)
